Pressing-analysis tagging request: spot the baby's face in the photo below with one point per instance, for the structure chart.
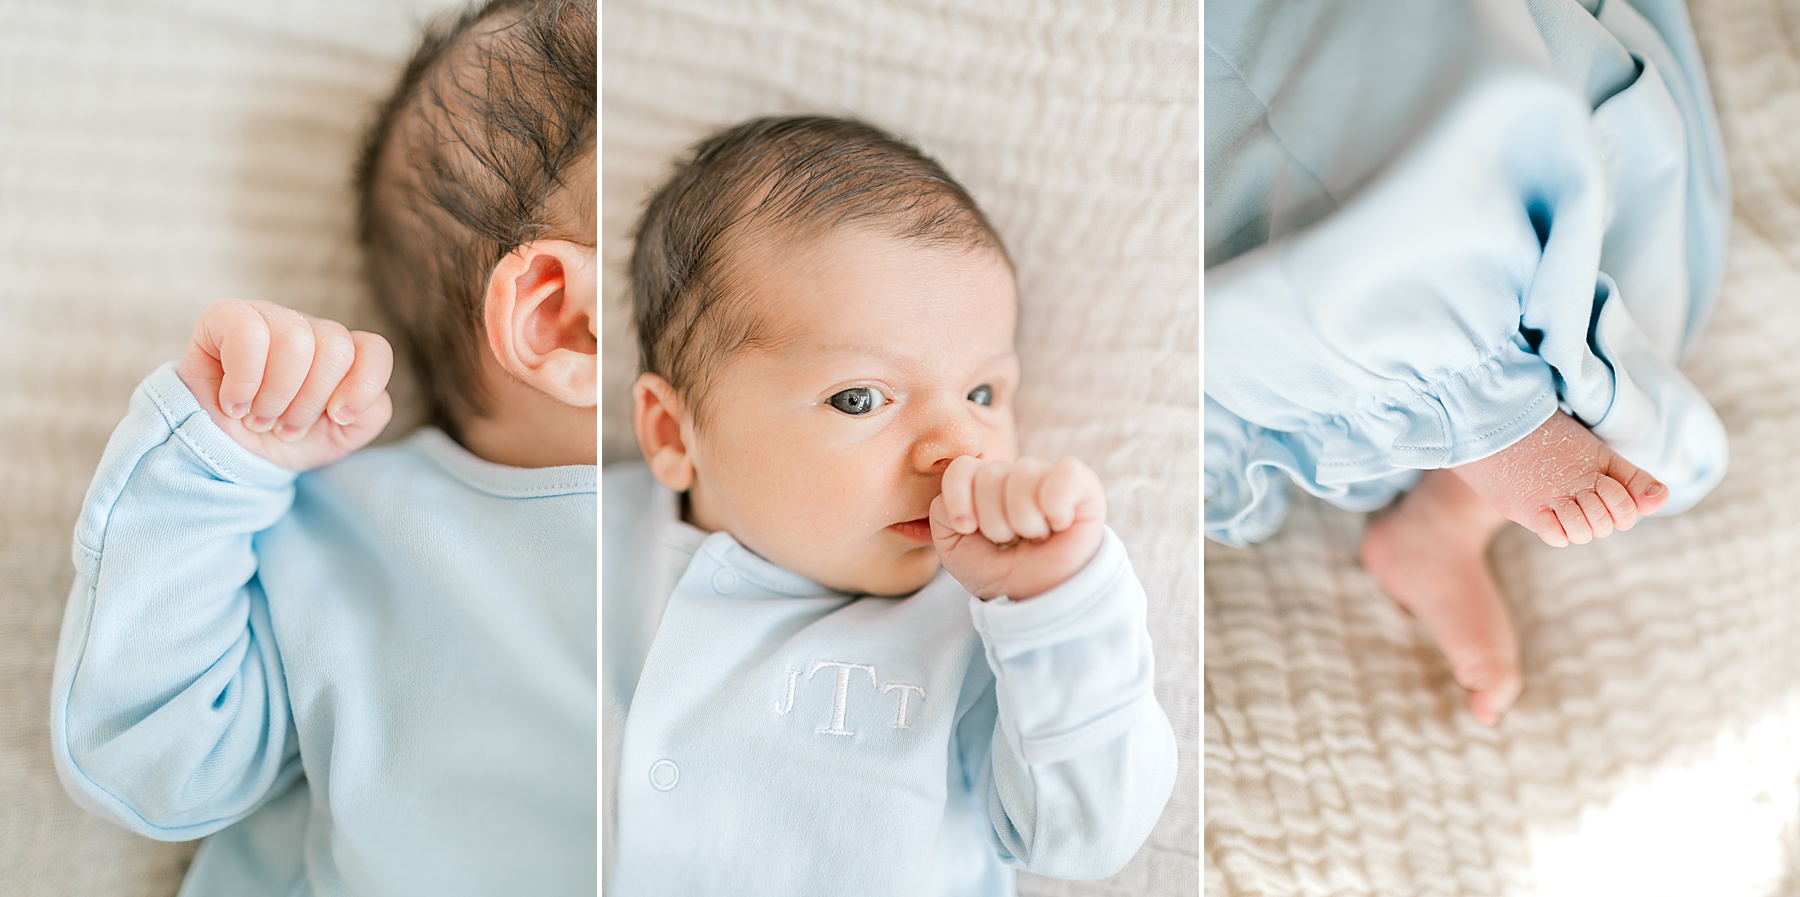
(822, 450)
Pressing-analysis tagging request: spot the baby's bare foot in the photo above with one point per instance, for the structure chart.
(1430, 554)
(1563, 483)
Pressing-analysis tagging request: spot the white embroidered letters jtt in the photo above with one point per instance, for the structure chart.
(840, 703)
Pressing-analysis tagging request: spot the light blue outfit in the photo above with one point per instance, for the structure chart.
(767, 736)
(1430, 223)
(377, 678)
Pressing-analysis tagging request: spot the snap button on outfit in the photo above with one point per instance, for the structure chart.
(664, 774)
(724, 581)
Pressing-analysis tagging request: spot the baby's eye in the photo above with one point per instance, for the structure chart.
(858, 400)
(982, 395)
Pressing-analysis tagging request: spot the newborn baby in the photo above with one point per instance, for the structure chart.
(1469, 239)
(797, 700)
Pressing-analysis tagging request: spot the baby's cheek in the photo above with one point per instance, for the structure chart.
(1003, 442)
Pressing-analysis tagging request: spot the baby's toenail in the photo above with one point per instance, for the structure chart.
(1654, 490)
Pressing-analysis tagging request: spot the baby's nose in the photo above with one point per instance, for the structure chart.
(950, 439)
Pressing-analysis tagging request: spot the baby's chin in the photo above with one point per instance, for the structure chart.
(905, 575)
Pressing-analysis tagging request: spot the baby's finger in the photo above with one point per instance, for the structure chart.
(333, 351)
(1064, 489)
(990, 502)
(1022, 510)
(370, 422)
(366, 381)
(231, 331)
(958, 490)
(290, 356)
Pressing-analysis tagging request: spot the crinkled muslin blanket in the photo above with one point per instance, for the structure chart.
(155, 157)
(1656, 747)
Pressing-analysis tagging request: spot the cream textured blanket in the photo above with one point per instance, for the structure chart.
(154, 157)
(1656, 748)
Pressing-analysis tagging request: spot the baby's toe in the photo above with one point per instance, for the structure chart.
(1493, 683)
(1490, 704)
(1574, 522)
(1619, 503)
(1549, 528)
(1647, 493)
(1594, 509)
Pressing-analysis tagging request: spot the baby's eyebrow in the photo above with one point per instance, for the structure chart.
(899, 359)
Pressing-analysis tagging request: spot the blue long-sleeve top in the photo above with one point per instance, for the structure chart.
(768, 736)
(374, 678)
(1432, 223)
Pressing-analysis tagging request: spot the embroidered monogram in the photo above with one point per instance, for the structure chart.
(900, 721)
(840, 702)
(843, 691)
(783, 708)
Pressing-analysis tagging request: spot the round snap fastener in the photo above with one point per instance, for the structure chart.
(664, 774)
(1609, 144)
(724, 581)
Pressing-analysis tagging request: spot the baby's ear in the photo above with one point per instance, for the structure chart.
(542, 319)
(661, 422)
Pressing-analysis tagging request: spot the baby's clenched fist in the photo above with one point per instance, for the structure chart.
(1017, 528)
(298, 390)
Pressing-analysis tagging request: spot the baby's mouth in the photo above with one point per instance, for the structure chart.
(917, 530)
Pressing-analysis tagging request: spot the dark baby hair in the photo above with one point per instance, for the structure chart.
(773, 179)
(463, 164)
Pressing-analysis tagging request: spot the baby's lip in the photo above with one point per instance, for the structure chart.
(918, 530)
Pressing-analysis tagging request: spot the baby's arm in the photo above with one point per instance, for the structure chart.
(168, 708)
(1071, 753)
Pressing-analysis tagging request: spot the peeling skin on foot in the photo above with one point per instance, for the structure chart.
(1430, 552)
(1565, 484)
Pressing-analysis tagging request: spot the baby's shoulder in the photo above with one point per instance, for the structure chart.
(428, 462)
(396, 467)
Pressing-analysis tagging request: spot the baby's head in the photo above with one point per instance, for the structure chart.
(476, 190)
(826, 320)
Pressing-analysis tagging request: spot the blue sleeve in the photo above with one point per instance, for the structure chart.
(1073, 755)
(169, 713)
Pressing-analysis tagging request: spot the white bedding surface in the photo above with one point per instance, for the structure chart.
(157, 156)
(1656, 748)
(1077, 129)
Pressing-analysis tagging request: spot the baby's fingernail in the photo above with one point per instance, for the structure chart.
(288, 432)
(1654, 490)
(344, 417)
(237, 411)
(258, 424)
